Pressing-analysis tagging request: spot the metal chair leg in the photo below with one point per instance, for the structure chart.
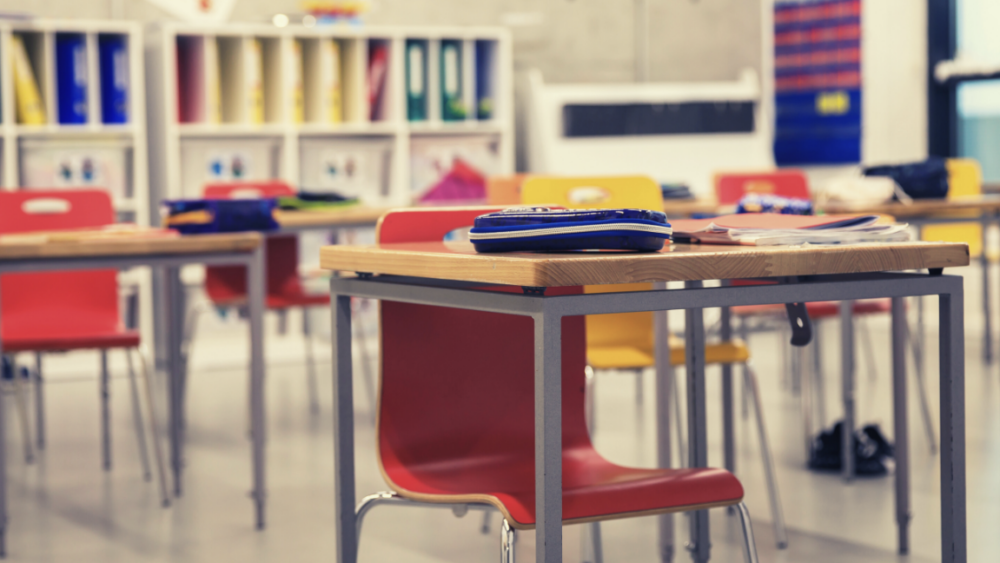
(786, 356)
(866, 341)
(805, 399)
(507, 542)
(745, 336)
(140, 431)
(485, 528)
(595, 540)
(366, 367)
(311, 380)
(817, 381)
(154, 429)
(21, 402)
(638, 388)
(39, 404)
(749, 545)
(925, 409)
(780, 533)
(678, 425)
(590, 404)
(105, 412)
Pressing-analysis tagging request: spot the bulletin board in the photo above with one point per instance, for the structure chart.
(817, 62)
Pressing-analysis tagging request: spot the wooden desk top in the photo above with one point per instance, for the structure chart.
(922, 208)
(189, 244)
(678, 262)
(333, 218)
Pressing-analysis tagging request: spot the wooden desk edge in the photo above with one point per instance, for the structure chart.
(186, 244)
(641, 269)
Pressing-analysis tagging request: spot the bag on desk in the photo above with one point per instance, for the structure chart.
(919, 180)
(201, 216)
(543, 229)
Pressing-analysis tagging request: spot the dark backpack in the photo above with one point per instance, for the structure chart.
(919, 180)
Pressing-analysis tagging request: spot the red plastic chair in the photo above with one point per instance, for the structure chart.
(226, 285)
(74, 310)
(456, 414)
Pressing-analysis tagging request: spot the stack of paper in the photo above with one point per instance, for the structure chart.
(769, 229)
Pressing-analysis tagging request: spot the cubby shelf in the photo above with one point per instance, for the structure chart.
(116, 152)
(237, 93)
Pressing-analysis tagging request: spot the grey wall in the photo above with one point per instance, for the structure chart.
(573, 41)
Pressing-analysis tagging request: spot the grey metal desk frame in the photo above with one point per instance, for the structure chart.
(547, 313)
(171, 264)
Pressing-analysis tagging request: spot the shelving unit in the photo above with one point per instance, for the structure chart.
(192, 143)
(95, 153)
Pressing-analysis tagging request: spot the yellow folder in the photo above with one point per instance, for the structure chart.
(30, 109)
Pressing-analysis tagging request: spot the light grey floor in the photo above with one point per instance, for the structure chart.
(64, 508)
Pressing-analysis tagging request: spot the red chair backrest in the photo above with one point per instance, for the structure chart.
(729, 188)
(458, 385)
(77, 301)
(229, 283)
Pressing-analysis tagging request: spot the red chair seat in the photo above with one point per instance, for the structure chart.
(26, 341)
(592, 486)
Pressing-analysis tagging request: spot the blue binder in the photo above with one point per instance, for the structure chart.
(113, 64)
(71, 78)
(484, 80)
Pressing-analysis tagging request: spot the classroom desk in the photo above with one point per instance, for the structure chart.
(445, 274)
(170, 254)
(919, 213)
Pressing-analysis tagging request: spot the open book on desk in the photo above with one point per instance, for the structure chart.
(770, 229)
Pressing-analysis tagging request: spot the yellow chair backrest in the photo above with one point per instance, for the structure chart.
(599, 192)
(965, 179)
(638, 192)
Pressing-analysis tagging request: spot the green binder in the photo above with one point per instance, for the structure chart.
(452, 104)
(416, 79)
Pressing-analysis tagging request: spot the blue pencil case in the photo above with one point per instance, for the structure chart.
(543, 229)
(201, 216)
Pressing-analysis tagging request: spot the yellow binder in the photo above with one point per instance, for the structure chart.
(331, 80)
(298, 99)
(255, 80)
(30, 109)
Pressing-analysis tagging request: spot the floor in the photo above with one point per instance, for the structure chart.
(65, 508)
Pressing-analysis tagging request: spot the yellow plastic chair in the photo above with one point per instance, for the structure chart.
(965, 179)
(625, 340)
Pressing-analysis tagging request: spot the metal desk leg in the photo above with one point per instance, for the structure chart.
(694, 343)
(952, 343)
(258, 431)
(847, 370)
(3, 473)
(548, 438)
(728, 424)
(900, 431)
(664, 390)
(987, 320)
(174, 314)
(343, 431)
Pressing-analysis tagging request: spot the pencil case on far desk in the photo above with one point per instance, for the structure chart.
(542, 229)
(201, 216)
